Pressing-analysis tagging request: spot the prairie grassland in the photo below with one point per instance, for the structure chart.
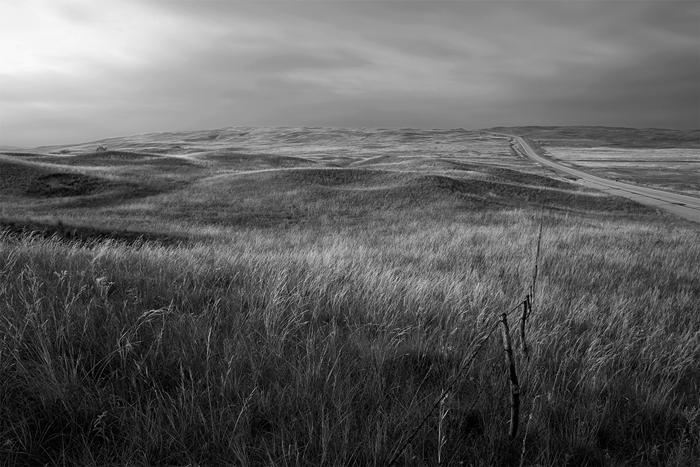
(315, 315)
(307, 347)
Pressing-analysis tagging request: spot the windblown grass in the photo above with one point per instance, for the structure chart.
(327, 347)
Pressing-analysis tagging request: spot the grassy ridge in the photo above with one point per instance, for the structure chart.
(309, 347)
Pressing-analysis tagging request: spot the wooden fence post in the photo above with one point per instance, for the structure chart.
(514, 385)
(526, 314)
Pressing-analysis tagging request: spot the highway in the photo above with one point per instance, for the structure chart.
(684, 206)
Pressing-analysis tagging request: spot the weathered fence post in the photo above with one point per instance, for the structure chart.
(514, 385)
(523, 318)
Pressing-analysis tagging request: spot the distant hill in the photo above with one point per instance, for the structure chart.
(595, 136)
(304, 139)
(323, 139)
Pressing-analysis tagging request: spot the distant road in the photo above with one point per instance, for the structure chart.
(684, 206)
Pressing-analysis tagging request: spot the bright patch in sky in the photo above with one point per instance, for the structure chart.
(76, 70)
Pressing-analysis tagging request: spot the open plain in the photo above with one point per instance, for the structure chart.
(308, 296)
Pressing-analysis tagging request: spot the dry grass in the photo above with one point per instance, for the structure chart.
(316, 314)
(308, 347)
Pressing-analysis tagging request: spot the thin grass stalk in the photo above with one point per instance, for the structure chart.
(442, 438)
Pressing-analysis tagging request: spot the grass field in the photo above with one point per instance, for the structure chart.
(303, 297)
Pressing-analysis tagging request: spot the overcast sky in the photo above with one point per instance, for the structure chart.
(77, 70)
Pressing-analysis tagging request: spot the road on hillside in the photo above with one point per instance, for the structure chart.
(684, 206)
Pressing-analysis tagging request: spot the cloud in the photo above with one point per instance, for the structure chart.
(125, 66)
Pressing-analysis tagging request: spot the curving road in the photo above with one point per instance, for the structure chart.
(684, 206)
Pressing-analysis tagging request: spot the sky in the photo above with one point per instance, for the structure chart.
(79, 70)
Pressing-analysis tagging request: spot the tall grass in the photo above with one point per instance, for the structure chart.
(328, 346)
